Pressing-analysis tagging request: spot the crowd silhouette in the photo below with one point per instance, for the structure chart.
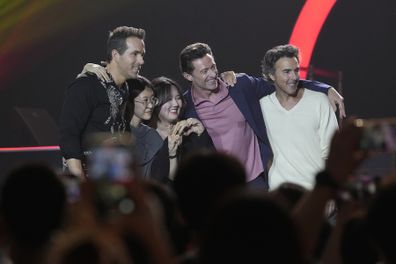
(207, 214)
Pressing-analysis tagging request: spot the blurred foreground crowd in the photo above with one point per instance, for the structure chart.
(208, 214)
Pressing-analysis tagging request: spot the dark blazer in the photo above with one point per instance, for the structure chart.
(246, 94)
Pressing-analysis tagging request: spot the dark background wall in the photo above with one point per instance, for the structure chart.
(44, 46)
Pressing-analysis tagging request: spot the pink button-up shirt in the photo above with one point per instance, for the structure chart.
(229, 129)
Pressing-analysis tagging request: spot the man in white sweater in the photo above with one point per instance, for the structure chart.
(300, 123)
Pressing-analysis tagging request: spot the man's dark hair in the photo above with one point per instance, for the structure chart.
(192, 52)
(273, 55)
(118, 36)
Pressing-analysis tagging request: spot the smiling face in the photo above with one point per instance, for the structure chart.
(204, 76)
(131, 60)
(286, 76)
(144, 104)
(170, 110)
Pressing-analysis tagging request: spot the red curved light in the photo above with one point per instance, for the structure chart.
(307, 29)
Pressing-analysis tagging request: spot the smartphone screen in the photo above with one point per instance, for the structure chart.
(111, 169)
(72, 187)
(378, 135)
(378, 140)
(114, 164)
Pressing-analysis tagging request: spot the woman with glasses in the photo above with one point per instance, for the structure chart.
(179, 137)
(142, 102)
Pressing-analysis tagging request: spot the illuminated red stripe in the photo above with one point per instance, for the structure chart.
(307, 28)
(22, 149)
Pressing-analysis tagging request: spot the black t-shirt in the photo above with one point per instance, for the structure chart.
(90, 106)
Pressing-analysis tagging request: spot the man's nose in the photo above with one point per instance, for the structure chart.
(140, 59)
(213, 73)
(294, 75)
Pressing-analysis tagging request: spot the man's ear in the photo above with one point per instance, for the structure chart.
(114, 54)
(187, 76)
(272, 77)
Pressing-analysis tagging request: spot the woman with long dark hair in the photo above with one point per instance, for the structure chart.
(179, 136)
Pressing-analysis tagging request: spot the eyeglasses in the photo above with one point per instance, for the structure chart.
(153, 100)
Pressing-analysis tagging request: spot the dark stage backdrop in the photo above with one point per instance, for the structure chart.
(44, 45)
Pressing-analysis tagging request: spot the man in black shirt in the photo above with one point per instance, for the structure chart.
(92, 105)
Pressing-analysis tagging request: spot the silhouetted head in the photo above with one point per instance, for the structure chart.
(250, 228)
(33, 200)
(381, 222)
(201, 180)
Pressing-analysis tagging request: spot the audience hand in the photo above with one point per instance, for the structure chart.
(345, 155)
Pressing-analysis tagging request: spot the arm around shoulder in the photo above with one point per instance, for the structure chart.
(259, 85)
(334, 97)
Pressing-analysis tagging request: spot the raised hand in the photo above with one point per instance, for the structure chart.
(194, 126)
(345, 155)
(175, 138)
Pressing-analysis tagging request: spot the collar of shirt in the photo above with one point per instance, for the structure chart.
(124, 89)
(221, 94)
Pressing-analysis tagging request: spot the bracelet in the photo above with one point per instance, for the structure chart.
(324, 178)
(172, 157)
